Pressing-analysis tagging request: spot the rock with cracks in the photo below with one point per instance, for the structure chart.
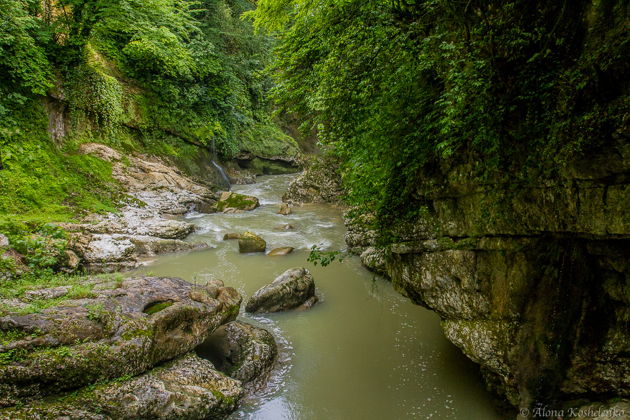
(114, 328)
(186, 388)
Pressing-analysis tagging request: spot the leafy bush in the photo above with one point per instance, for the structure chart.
(41, 245)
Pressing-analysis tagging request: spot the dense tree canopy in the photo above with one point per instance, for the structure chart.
(159, 76)
(400, 88)
(190, 68)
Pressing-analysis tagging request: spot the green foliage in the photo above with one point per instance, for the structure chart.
(325, 258)
(41, 180)
(42, 249)
(24, 66)
(157, 76)
(401, 91)
(96, 312)
(97, 97)
(267, 141)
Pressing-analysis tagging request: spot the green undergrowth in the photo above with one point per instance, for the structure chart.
(40, 181)
(164, 78)
(268, 141)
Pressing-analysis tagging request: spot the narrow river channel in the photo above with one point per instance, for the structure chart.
(363, 353)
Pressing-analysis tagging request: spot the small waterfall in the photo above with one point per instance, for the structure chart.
(222, 175)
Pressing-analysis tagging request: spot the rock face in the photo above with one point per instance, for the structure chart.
(230, 201)
(250, 242)
(142, 228)
(159, 185)
(108, 329)
(188, 387)
(292, 289)
(532, 287)
(319, 183)
(241, 350)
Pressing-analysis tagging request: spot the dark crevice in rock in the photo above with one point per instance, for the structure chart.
(155, 307)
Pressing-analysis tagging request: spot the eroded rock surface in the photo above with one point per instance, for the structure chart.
(241, 350)
(319, 183)
(188, 387)
(113, 328)
(292, 289)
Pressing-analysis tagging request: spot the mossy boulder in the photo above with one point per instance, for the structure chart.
(250, 242)
(234, 201)
(188, 387)
(70, 340)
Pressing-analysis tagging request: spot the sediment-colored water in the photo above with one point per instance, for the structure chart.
(363, 353)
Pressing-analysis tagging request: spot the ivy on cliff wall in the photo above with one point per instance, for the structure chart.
(402, 89)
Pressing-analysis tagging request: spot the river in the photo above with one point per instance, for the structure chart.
(363, 353)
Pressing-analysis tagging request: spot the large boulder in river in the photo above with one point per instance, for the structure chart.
(242, 351)
(230, 201)
(68, 337)
(250, 242)
(186, 388)
(292, 289)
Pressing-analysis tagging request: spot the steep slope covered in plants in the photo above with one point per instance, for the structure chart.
(174, 78)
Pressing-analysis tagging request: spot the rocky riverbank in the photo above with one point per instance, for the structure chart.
(531, 289)
(98, 350)
(102, 347)
(147, 225)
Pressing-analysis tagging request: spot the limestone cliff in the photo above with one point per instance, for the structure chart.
(532, 281)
